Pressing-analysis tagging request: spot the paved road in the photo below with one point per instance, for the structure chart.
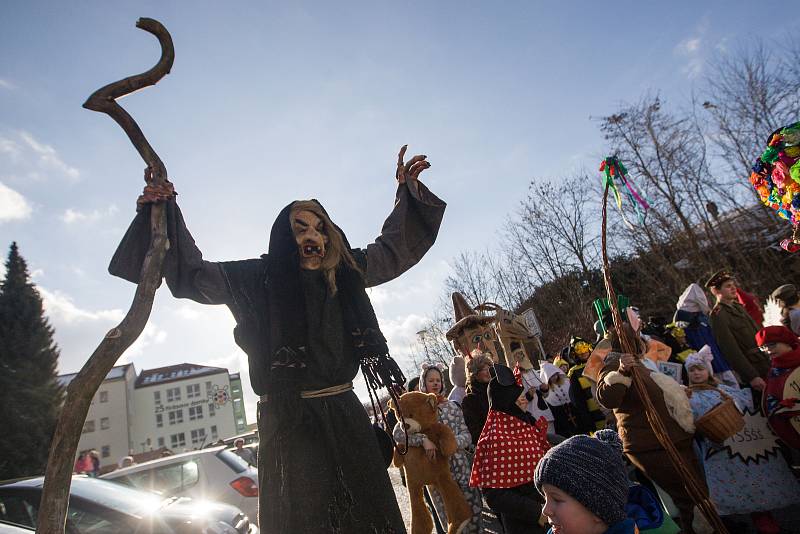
(489, 521)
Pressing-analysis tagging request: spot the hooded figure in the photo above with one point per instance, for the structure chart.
(305, 321)
(692, 314)
(509, 448)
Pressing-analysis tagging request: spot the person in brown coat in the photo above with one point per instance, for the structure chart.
(735, 331)
(640, 444)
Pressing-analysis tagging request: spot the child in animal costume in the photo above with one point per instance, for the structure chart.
(420, 415)
(781, 403)
(738, 485)
(615, 391)
(430, 381)
(506, 455)
(535, 390)
(585, 484)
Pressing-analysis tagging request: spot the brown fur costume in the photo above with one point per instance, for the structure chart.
(419, 411)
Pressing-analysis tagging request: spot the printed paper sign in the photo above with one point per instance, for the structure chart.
(755, 442)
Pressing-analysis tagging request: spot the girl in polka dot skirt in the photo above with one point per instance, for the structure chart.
(508, 450)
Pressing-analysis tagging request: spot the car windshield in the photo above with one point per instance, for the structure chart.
(116, 496)
(233, 460)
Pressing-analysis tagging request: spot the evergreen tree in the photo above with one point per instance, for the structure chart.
(30, 395)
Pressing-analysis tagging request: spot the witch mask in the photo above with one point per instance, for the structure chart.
(311, 236)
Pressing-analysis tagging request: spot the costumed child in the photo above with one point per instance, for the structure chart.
(431, 380)
(475, 404)
(511, 444)
(585, 486)
(535, 390)
(562, 364)
(641, 445)
(557, 397)
(692, 315)
(590, 415)
(736, 485)
(781, 402)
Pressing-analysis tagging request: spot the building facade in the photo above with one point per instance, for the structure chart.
(180, 407)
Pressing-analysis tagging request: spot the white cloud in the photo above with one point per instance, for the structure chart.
(62, 310)
(689, 45)
(190, 313)
(71, 216)
(48, 157)
(13, 206)
(5, 84)
(151, 335)
(10, 147)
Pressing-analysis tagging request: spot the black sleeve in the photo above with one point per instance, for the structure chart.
(511, 503)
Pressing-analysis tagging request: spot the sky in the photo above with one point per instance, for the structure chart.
(269, 102)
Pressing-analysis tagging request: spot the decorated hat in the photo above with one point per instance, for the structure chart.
(579, 345)
(465, 316)
(784, 292)
(719, 278)
(777, 334)
(603, 311)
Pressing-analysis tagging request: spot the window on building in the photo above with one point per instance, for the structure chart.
(240, 423)
(208, 387)
(157, 397)
(105, 423)
(237, 404)
(105, 451)
(159, 420)
(195, 412)
(173, 394)
(198, 436)
(104, 396)
(235, 390)
(160, 442)
(212, 410)
(175, 417)
(178, 440)
(192, 391)
(214, 435)
(88, 426)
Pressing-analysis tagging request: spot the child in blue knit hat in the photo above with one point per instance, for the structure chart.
(585, 485)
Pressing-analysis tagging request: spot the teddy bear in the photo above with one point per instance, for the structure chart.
(419, 412)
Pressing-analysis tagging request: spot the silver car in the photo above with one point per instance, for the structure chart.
(103, 507)
(215, 474)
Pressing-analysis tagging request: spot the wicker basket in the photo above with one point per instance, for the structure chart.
(722, 421)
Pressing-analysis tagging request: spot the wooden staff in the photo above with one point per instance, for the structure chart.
(58, 476)
(693, 486)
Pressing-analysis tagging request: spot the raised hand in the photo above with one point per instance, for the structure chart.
(412, 169)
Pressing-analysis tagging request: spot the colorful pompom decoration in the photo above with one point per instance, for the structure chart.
(615, 172)
(776, 178)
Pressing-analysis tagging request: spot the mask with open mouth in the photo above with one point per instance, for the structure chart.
(311, 235)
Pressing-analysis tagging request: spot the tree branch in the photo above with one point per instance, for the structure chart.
(55, 494)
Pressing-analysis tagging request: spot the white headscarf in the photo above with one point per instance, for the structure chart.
(702, 357)
(694, 299)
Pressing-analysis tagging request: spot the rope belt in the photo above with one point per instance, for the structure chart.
(325, 392)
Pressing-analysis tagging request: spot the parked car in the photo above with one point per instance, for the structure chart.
(214, 473)
(103, 507)
(10, 528)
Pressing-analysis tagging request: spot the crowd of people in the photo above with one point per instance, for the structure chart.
(567, 445)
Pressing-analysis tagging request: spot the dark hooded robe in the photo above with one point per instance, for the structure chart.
(320, 467)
